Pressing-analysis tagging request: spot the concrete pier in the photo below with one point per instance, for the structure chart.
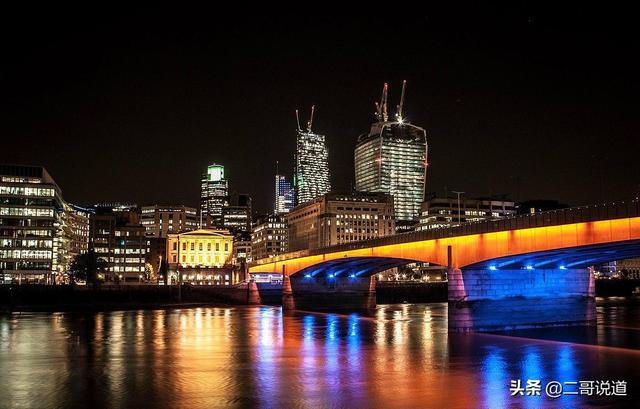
(330, 293)
(495, 299)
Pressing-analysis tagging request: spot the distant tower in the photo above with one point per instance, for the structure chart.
(214, 195)
(392, 158)
(285, 196)
(311, 173)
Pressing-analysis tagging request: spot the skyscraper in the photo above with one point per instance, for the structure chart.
(392, 158)
(311, 173)
(214, 194)
(285, 196)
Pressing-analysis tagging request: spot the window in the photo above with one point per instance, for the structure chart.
(184, 246)
(226, 246)
(217, 246)
(193, 246)
(175, 246)
(175, 258)
(208, 246)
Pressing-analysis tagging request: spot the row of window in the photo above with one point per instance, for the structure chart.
(27, 191)
(26, 211)
(192, 246)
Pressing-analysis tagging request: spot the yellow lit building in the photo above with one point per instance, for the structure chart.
(199, 253)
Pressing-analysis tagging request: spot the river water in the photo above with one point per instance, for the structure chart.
(402, 356)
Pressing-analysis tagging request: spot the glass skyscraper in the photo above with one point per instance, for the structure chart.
(285, 196)
(311, 174)
(214, 194)
(392, 158)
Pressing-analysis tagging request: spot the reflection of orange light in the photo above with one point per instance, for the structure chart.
(475, 248)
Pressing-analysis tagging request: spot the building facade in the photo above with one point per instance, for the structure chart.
(440, 212)
(202, 256)
(30, 207)
(285, 195)
(71, 238)
(214, 194)
(236, 215)
(118, 237)
(392, 159)
(269, 237)
(159, 220)
(340, 218)
(311, 174)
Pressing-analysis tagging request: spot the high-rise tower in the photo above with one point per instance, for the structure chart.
(311, 173)
(285, 196)
(214, 195)
(392, 158)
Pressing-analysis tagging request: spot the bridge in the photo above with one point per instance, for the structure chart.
(540, 259)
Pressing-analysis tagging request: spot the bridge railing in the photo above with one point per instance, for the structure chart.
(615, 210)
(607, 211)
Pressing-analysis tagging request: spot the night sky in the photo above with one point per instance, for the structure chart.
(131, 108)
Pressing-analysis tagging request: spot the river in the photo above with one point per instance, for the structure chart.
(401, 356)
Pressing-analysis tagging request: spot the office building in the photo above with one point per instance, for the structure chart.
(160, 220)
(30, 207)
(71, 238)
(285, 195)
(392, 158)
(116, 235)
(311, 174)
(202, 256)
(214, 195)
(236, 214)
(336, 218)
(269, 236)
(439, 212)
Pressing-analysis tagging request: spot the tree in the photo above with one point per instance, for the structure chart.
(87, 266)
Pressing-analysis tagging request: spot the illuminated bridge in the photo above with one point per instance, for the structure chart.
(543, 256)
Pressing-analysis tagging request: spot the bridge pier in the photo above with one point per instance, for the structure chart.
(326, 293)
(503, 299)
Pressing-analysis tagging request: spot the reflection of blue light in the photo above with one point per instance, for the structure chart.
(307, 275)
(529, 267)
(352, 275)
(562, 268)
(494, 369)
(492, 268)
(331, 275)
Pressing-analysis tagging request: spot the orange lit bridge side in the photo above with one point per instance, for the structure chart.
(582, 242)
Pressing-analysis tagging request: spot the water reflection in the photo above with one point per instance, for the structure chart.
(402, 356)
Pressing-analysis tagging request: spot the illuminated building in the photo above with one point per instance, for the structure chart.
(311, 173)
(236, 214)
(117, 236)
(392, 158)
(269, 237)
(336, 218)
(161, 220)
(214, 195)
(285, 195)
(241, 253)
(438, 212)
(71, 238)
(202, 256)
(30, 208)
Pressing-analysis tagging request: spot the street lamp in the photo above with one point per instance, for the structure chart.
(458, 193)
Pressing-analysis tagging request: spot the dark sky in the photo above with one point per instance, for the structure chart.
(131, 108)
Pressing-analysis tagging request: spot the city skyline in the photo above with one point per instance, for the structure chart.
(240, 114)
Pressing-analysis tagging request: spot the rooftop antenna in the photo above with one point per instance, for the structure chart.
(278, 167)
(298, 121)
(310, 123)
(399, 111)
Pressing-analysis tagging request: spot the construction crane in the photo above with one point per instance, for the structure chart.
(399, 110)
(298, 121)
(310, 123)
